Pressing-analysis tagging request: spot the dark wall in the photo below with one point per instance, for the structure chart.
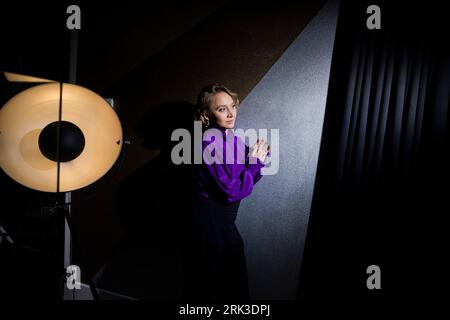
(34, 41)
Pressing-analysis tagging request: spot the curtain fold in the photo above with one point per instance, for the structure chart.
(384, 110)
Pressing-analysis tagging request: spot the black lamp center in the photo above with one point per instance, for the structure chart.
(71, 141)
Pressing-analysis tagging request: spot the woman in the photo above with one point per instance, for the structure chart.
(220, 271)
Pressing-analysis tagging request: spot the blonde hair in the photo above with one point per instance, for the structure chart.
(204, 98)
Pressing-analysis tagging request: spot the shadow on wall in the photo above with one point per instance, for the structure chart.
(153, 207)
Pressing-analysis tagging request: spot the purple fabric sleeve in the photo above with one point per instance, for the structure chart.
(233, 182)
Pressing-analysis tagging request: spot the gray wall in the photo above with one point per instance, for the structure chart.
(290, 97)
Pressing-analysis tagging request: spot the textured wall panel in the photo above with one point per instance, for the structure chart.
(291, 97)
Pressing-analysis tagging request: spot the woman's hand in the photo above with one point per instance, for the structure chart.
(260, 150)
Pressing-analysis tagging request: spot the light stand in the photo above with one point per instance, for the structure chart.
(63, 210)
(82, 141)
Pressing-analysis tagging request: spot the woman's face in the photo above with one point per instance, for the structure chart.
(222, 110)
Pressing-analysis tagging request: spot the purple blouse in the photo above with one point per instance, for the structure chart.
(223, 176)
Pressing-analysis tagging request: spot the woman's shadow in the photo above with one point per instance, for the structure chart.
(154, 207)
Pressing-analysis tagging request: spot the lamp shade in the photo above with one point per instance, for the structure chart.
(90, 131)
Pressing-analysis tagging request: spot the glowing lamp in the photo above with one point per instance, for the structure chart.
(89, 131)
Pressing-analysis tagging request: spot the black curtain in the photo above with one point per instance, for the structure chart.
(382, 182)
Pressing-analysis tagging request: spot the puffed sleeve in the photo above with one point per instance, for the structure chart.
(231, 183)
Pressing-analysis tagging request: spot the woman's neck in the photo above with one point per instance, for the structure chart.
(221, 129)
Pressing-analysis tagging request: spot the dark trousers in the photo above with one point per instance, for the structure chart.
(216, 269)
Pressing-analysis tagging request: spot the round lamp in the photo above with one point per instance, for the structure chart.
(90, 137)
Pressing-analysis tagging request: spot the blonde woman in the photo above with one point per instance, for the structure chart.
(220, 270)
